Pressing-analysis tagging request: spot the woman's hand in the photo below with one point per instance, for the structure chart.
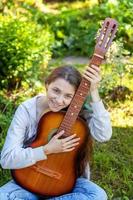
(57, 145)
(92, 74)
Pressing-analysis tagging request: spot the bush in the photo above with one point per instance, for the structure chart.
(24, 47)
(73, 32)
(75, 29)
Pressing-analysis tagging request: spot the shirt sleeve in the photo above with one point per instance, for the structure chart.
(13, 155)
(98, 121)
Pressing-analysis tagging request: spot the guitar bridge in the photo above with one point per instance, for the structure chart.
(47, 171)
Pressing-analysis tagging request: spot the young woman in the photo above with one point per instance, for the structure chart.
(61, 86)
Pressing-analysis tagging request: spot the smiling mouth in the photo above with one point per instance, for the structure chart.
(55, 105)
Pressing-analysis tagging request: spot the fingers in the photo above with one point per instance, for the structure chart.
(59, 134)
(69, 138)
(92, 74)
(67, 150)
(93, 71)
(71, 142)
(67, 144)
(93, 67)
(93, 77)
(70, 146)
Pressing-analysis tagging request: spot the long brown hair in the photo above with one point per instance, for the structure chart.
(74, 77)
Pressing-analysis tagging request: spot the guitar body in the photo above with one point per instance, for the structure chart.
(57, 174)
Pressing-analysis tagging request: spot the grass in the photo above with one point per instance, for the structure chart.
(113, 161)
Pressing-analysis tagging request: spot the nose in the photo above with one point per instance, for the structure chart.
(60, 100)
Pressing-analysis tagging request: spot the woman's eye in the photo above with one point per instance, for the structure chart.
(56, 90)
(68, 97)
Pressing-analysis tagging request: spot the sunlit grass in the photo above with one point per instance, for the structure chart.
(113, 161)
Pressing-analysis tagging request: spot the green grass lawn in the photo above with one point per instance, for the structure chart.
(113, 161)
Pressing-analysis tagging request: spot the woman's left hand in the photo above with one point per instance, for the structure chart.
(92, 74)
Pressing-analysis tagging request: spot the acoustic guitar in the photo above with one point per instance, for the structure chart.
(57, 175)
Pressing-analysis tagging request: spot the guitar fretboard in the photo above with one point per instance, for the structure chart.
(77, 101)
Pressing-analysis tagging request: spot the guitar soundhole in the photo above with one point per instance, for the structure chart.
(53, 132)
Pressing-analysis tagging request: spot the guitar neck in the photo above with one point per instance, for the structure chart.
(78, 100)
(104, 41)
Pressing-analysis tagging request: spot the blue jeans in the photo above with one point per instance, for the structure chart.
(83, 190)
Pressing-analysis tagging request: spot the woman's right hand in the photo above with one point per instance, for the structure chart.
(57, 145)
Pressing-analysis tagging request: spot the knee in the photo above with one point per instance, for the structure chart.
(101, 194)
(90, 189)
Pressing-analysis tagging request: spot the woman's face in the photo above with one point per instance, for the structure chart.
(59, 94)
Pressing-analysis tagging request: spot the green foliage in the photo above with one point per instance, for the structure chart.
(73, 34)
(24, 47)
(118, 57)
(75, 29)
(118, 66)
(7, 108)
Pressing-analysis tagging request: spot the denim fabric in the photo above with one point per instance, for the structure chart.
(83, 190)
(12, 191)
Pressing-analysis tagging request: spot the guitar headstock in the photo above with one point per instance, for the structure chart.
(107, 34)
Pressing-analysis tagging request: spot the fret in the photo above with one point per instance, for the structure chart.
(96, 60)
(86, 90)
(67, 121)
(81, 92)
(74, 104)
(69, 114)
(80, 98)
(70, 122)
(66, 129)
